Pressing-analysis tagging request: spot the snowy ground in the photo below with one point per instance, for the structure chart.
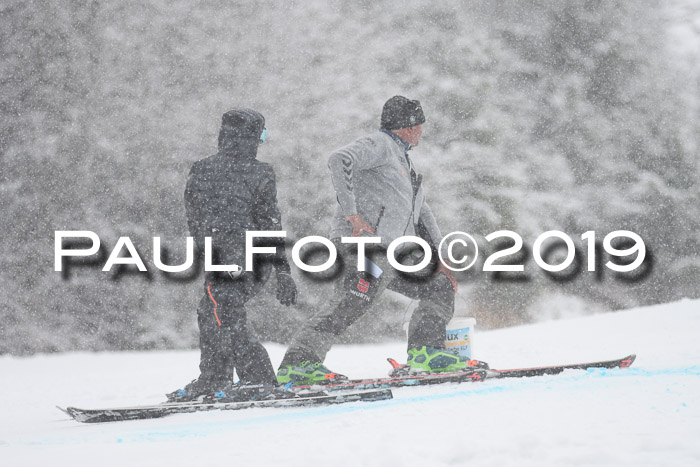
(645, 415)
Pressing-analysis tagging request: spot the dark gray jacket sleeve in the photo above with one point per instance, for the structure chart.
(343, 164)
(267, 216)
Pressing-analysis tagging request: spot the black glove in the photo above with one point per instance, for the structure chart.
(286, 289)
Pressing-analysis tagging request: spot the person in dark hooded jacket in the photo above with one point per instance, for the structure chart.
(226, 195)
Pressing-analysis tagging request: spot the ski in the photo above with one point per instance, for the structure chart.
(556, 369)
(162, 410)
(399, 381)
(480, 373)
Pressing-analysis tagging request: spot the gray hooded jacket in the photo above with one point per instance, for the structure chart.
(372, 177)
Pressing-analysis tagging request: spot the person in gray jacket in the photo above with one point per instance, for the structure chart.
(379, 193)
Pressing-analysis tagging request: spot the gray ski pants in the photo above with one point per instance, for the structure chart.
(354, 294)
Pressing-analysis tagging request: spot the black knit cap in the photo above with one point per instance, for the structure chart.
(400, 112)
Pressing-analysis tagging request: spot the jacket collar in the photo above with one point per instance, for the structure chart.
(404, 144)
(240, 148)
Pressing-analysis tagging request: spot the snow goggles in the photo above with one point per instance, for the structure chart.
(263, 136)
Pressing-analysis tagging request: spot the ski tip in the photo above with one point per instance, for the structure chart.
(393, 363)
(72, 412)
(628, 361)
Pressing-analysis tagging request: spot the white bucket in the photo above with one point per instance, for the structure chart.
(458, 336)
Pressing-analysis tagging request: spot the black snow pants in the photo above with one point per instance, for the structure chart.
(225, 339)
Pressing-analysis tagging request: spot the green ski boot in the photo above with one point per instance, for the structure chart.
(307, 373)
(431, 359)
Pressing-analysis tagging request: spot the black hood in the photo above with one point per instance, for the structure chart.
(240, 132)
